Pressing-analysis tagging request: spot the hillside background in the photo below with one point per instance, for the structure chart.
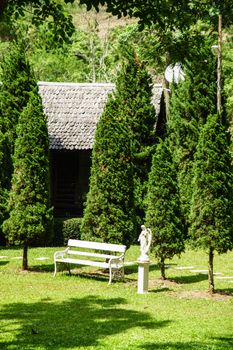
(98, 47)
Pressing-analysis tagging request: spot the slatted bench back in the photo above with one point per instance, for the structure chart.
(96, 245)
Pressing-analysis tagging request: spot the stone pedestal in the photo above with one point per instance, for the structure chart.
(143, 276)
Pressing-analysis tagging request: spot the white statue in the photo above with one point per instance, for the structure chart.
(144, 238)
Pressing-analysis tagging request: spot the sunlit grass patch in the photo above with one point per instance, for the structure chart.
(81, 311)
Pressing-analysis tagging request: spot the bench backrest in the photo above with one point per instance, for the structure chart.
(120, 248)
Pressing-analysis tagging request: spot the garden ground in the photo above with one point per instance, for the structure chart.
(81, 311)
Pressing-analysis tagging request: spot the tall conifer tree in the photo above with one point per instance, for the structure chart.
(17, 81)
(124, 141)
(191, 101)
(163, 214)
(109, 215)
(28, 206)
(134, 91)
(211, 214)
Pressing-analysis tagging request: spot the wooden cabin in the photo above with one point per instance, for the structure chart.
(73, 110)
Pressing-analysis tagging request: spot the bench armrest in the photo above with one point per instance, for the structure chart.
(60, 254)
(118, 259)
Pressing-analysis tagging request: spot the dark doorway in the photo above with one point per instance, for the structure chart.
(70, 171)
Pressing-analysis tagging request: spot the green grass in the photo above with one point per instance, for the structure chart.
(81, 311)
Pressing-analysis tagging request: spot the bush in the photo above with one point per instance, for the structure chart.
(64, 229)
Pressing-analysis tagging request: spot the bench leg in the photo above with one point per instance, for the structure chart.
(68, 267)
(123, 273)
(119, 272)
(110, 275)
(55, 269)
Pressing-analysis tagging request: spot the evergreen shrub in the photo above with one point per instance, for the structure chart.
(64, 229)
(163, 214)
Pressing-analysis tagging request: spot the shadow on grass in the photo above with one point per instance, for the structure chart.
(159, 290)
(226, 340)
(74, 323)
(225, 291)
(212, 343)
(190, 278)
(42, 268)
(97, 275)
(2, 263)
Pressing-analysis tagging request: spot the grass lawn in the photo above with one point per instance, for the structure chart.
(82, 311)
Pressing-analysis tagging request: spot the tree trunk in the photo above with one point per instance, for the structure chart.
(25, 256)
(167, 87)
(219, 67)
(211, 271)
(162, 268)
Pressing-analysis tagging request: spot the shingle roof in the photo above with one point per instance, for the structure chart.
(73, 110)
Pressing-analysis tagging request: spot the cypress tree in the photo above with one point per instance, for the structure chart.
(28, 206)
(109, 214)
(17, 81)
(163, 214)
(134, 92)
(211, 214)
(125, 132)
(191, 101)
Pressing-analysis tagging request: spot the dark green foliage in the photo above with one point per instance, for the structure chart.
(163, 214)
(71, 229)
(212, 200)
(64, 229)
(134, 91)
(191, 101)
(109, 213)
(167, 14)
(28, 207)
(211, 215)
(124, 153)
(52, 11)
(228, 71)
(17, 82)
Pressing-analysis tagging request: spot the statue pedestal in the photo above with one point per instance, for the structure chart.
(143, 276)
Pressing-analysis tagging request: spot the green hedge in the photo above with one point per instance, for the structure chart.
(65, 229)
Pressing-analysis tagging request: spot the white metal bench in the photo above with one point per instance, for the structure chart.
(104, 255)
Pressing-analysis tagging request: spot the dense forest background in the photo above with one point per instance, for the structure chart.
(96, 49)
(91, 54)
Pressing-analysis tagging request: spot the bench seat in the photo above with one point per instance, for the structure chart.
(103, 255)
(97, 255)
